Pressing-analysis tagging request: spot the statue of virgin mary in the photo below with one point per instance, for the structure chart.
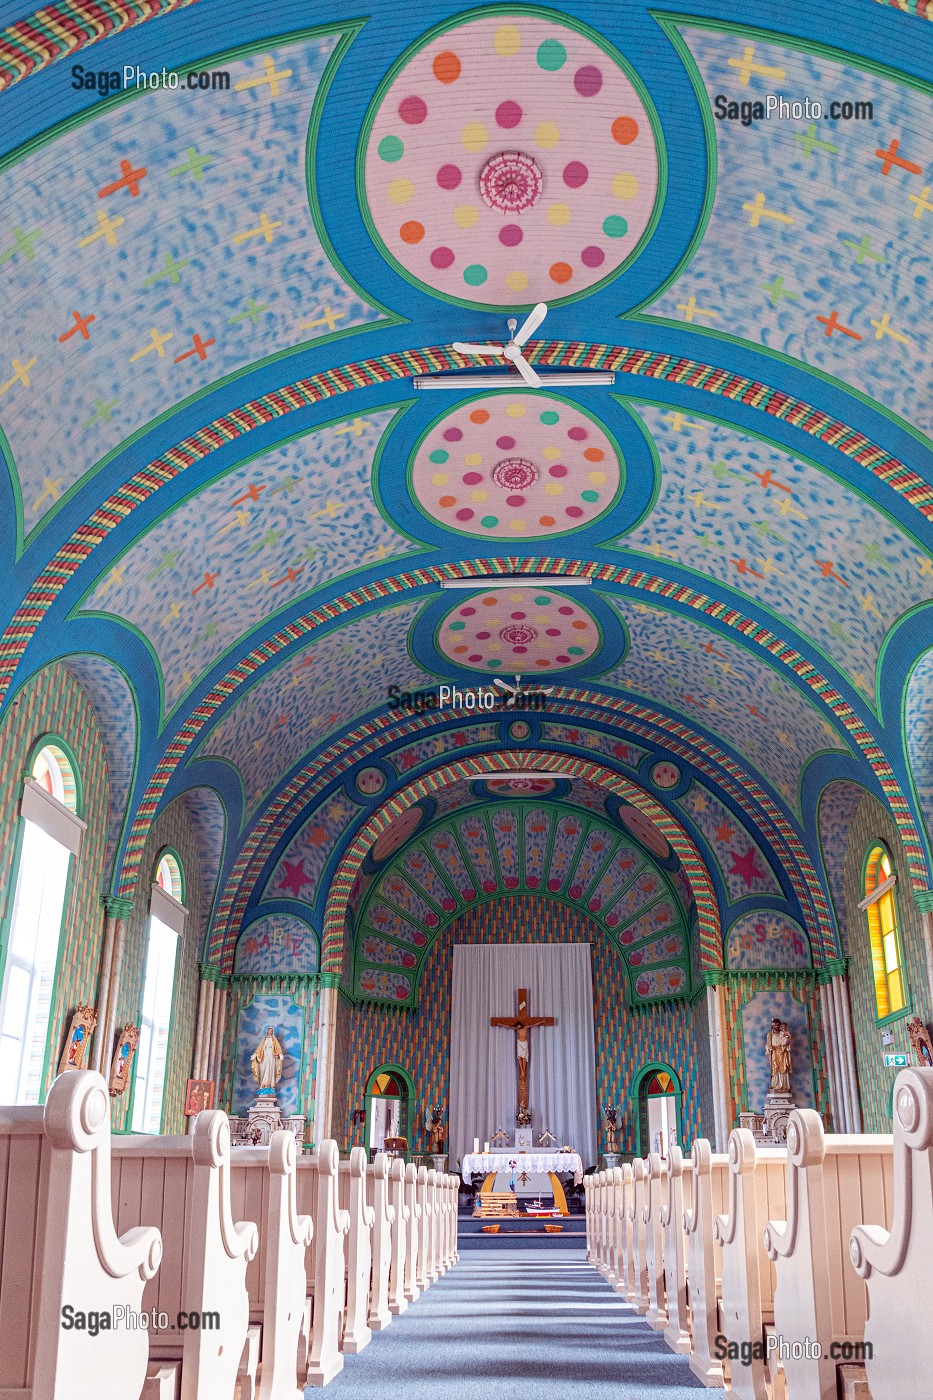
(266, 1061)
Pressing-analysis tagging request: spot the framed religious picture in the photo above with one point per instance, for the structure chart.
(199, 1095)
(122, 1067)
(82, 1024)
(921, 1041)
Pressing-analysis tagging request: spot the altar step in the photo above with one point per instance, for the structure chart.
(521, 1232)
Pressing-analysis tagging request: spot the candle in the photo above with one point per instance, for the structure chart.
(475, 1146)
(486, 1148)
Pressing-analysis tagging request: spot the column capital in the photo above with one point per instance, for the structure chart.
(209, 973)
(924, 900)
(329, 979)
(116, 907)
(833, 967)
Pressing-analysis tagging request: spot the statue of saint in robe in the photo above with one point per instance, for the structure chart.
(777, 1048)
(267, 1061)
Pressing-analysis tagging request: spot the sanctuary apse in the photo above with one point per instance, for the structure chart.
(465, 783)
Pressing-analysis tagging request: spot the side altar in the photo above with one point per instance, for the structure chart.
(265, 1116)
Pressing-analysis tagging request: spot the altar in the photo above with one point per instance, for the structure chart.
(530, 1164)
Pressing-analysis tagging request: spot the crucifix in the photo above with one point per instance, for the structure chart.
(521, 1024)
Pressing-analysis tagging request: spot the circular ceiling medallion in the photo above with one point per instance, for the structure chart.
(515, 465)
(520, 730)
(509, 159)
(369, 781)
(665, 775)
(520, 787)
(511, 630)
(511, 182)
(397, 832)
(644, 829)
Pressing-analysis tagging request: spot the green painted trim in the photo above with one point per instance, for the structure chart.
(179, 865)
(879, 70)
(347, 32)
(493, 541)
(52, 739)
(329, 979)
(80, 610)
(924, 900)
(534, 12)
(922, 829)
(639, 1101)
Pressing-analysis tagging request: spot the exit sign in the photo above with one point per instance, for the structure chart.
(896, 1060)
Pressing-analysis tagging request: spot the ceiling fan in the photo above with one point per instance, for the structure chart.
(512, 350)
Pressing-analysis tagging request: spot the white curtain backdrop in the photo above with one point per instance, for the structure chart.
(483, 1071)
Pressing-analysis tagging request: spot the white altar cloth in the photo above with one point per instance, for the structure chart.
(557, 1162)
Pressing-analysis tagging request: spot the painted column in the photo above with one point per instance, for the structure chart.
(837, 1097)
(847, 1038)
(197, 1062)
(721, 1095)
(924, 900)
(103, 982)
(118, 910)
(326, 1048)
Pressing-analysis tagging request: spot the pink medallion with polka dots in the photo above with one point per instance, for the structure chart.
(510, 161)
(509, 466)
(519, 630)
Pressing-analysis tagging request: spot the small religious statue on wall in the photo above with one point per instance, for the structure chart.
(123, 1059)
(436, 1130)
(79, 1036)
(611, 1115)
(777, 1048)
(921, 1041)
(266, 1062)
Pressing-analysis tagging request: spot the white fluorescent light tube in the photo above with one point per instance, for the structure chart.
(456, 380)
(517, 581)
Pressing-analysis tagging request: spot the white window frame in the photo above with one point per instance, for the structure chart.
(166, 920)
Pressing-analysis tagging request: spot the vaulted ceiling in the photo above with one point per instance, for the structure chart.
(230, 511)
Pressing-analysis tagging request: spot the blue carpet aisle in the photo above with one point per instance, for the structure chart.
(497, 1324)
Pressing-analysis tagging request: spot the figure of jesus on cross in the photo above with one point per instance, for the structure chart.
(522, 1024)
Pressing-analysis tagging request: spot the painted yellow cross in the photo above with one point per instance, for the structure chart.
(883, 328)
(922, 201)
(115, 576)
(699, 500)
(271, 77)
(265, 230)
(690, 309)
(330, 509)
(868, 605)
(757, 211)
(678, 422)
(328, 318)
(356, 427)
(53, 489)
(20, 374)
(240, 517)
(926, 564)
(265, 577)
(157, 342)
(747, 66)
(173, 614)
(106, 228)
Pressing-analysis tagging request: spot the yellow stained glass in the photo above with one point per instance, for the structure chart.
(883, 936)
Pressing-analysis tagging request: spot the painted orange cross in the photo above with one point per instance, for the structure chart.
(743, 567)
(251, 494)
(207, 583)
(833, 323)
(129, 180)
(766, 479)
(200, 349)
(890, 157)
(289, 576)
(79, 328)
(827, 569)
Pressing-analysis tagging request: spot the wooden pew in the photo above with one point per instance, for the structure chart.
(436, 1217)
(59, 1248)
(639, 1294)
(624, 1232)
(588, 1216)
(182, 1185)
(318, 1197)
(656, 1315)
(399, 1240)
(413, 1204)
(602, 1198)
(262, 1188)
(377, 1198)
(425, 1199)
(618, 1228)
(709, 1173)
(351, 1179)
(453, 1246)
(833, 1183)
(756, 1195)
(677, 1332)
(895, 1263)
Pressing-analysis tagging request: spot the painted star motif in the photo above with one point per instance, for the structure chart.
(294, 877)
(746, 867)
(318, 835)
(724, 832)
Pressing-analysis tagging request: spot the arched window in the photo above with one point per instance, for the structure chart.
(167, 916)
(880, 907)
(50, 835)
